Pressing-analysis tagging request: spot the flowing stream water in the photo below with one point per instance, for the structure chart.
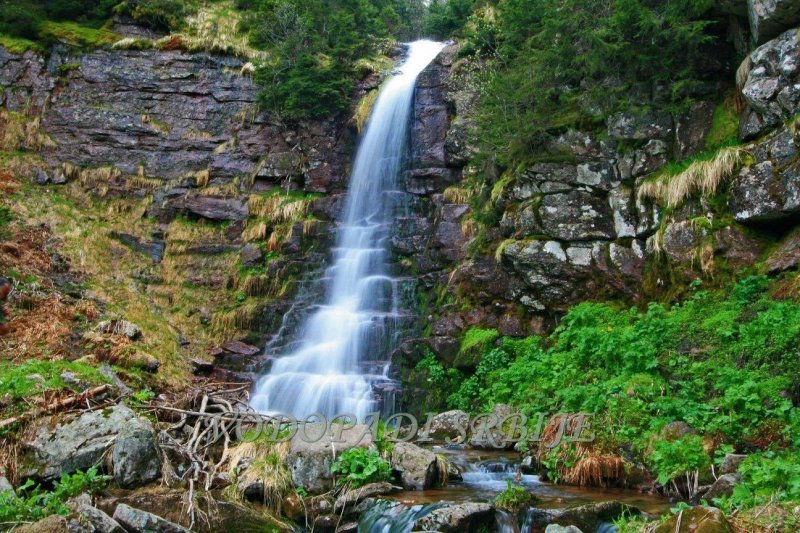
(325, 373)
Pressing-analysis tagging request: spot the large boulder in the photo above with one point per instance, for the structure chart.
(135, 520)
(764, 192)
(416, 466)
(448, 425)
(135, 457)
(310, 462)
(589, 517)
(696, 520)
(488, 433)
(730, 463)
(723, 486)
(772, 89)
(55, 448)
(461, 518)
(770, 17)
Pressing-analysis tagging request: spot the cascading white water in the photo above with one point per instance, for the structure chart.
(324, 374)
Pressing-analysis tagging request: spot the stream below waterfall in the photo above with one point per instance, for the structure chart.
(484, 474)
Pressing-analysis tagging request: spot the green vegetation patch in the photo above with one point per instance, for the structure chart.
(359, 466)
(35, 376)
(30, 503)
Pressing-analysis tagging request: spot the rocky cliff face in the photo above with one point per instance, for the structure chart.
(581, 223)
(223, 200)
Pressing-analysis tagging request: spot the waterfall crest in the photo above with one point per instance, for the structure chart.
(325, 372)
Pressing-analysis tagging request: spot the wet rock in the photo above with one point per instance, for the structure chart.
(354, 496)
(555, 528)
(136, 520)
(772, 89)
(576, 216)
(240, 348)
(723, 486)
(627, 126)
(460, 518)
(448, 425)
(589, 517)
(770, 17)
(77, 444)
(696, 520)
(426, 181)
(730, 463)
(416, 466)
(120, 327)
(310, 462)
(135, 456)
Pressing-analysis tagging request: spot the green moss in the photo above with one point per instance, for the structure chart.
(18, 45)
(724, 127)
(77, 34)
(473, 345)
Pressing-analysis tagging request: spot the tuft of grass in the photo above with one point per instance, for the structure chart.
(266, 466)
(364, 108)
(456, 195)
(704, 174)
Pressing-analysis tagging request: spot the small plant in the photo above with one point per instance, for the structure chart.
(359, 466)
(30, 503)
(681, 457)
(513, 499)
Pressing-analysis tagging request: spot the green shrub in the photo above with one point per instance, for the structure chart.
(513, 499)
(766, 477)
(359, 466)
(31, 503)
(683, 457)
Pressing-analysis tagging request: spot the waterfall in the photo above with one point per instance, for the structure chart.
(325, 372)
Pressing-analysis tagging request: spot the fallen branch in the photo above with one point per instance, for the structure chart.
(56, 406)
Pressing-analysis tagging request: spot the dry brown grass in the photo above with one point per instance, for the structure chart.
(704, 177)
(266, 465)
(18, 131)
(592, 466)
(227, 324)
(456, 195)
